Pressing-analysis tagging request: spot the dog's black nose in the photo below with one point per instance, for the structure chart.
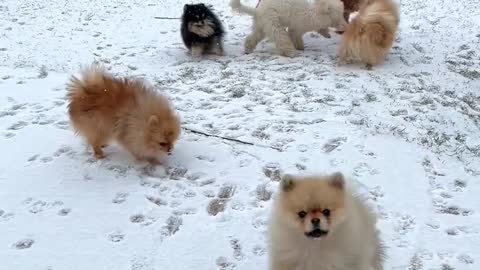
(315, 221)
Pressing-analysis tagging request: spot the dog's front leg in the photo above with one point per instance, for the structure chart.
(342, 55)
(197, 50)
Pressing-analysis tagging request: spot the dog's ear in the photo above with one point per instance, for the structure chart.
(337, 180)
(185, 7)
(287, 183)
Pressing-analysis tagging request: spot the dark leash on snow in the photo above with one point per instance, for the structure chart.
(166, 18)
(231, 139)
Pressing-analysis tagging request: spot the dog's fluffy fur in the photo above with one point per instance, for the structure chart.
(202, 31)
(272, 18)
(370, 35)
(318, 223)
(102, 108)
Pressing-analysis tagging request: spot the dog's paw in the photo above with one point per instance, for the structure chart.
(249, 48)
(299, 46)
(197, 51)
(290, 53)
(341, 61)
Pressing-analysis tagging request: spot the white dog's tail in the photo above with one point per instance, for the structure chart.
(237, 6)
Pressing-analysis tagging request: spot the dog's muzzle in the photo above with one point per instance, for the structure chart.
(317, 232)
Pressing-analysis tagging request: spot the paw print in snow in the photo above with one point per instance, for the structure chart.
(24, 243)
(272, 171)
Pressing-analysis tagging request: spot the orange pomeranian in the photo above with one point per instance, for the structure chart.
(370, 35)
(102, 108)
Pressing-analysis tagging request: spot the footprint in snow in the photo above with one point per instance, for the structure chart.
(9, 135)
(157, 200)
(142, 219)
(224, 264)
(185, 211)
(216, 206)
(259, 250)
(137, 218)
(237, 249)
(454, 210)
(116, 236)
(272, 171)
(226, 191)
(120, 198)
(172, 225)
(6, 216)
(333, 144)
(46, 159)
(142, 263)
(24, 243)
(459, 185)
(262, 193)
(64, 212)
(465, 258)
(64, 150)
(18, 125)
(176, 173)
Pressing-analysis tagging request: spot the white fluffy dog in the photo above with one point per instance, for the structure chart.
(272, 18)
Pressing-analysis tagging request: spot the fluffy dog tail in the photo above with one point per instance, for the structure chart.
(96, 90)
(379, 21)
(239, 7)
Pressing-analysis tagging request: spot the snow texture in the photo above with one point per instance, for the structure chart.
(407, 131)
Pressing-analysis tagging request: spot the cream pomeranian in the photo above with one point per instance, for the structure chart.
(370, 35)
(102, 108)
(317, 223)
(272, 18)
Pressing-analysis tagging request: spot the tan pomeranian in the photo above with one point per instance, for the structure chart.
(318, 223)
(102, 108)
(370, 35)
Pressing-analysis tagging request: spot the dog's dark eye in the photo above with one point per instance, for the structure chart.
(162, 144)
(302, 214)
(326, 212)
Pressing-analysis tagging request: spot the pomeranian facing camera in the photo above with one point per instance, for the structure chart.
(317, 223)
(202, 31)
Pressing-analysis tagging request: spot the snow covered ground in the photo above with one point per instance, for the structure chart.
(408, 131)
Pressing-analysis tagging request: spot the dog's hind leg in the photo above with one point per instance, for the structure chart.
(297, 40)
(252, 40)
(278, 33)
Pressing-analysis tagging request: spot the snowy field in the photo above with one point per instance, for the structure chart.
(408, 131)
